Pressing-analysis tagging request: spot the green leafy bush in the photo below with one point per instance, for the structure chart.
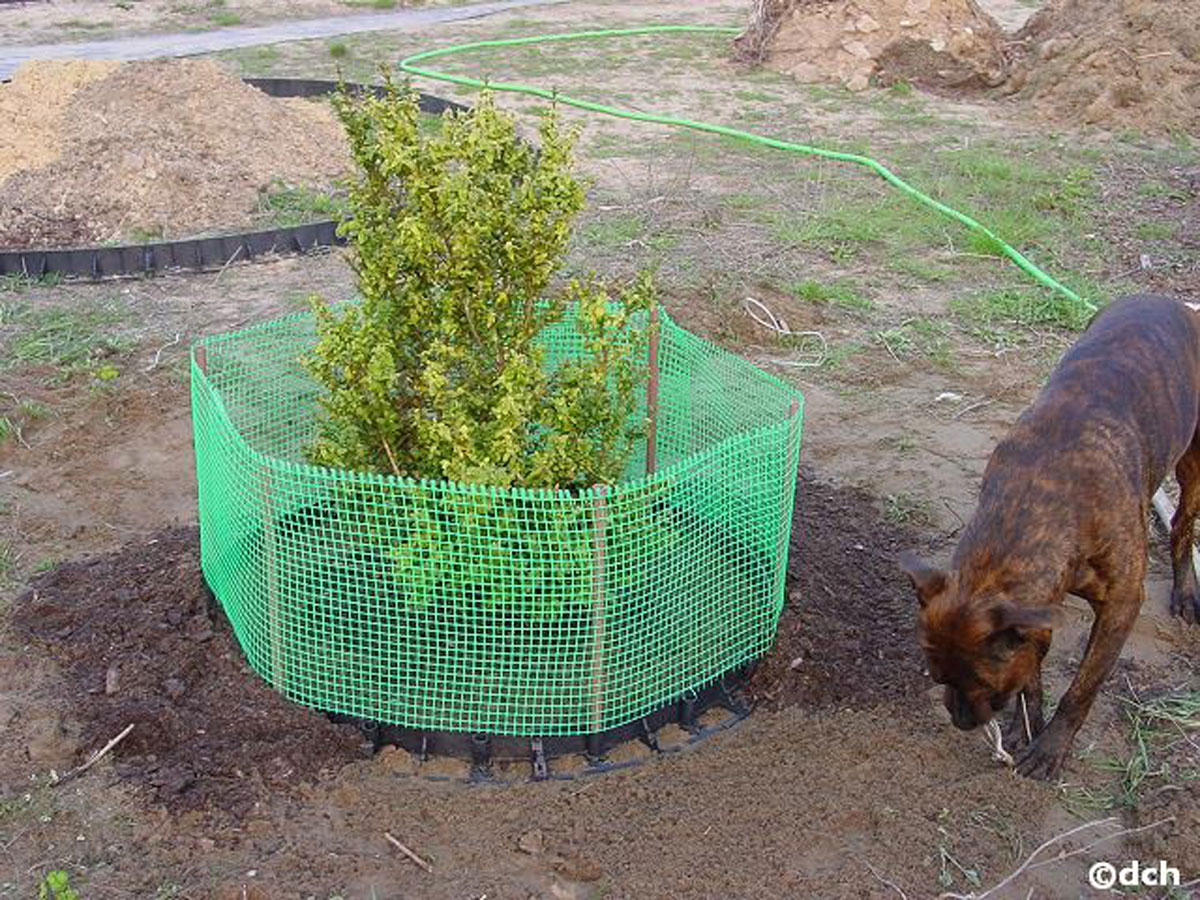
(439, 372)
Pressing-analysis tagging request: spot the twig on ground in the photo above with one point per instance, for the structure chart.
(885, 882)
(158, 355)
(96, 757)
(1029, 865)
(399, 846)
(236, 253)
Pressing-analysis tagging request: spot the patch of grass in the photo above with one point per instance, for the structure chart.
(950, 869)
(1073, 196)
(839, 354)
(70, 339)
(225, 18)
(921, 270)
(614, 231)
(1163, 735)
(8, 561)
(1159, 189)
(841, 294)
(907, 509)
(900, 88)
(747, 96)
(15, 284)
(8, 430)
(46, 563)
(899, 443)
(86, 25)
(1154, 231)
(921, 337)
(1023, 307)
(143, 235)
(57, 886)
(285, 204)
(338, 49)
(370, 4)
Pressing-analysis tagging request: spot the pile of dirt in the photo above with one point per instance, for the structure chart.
(138, 642)
(939, 44)
(1113, 63)
(149, 149)
(32, 107)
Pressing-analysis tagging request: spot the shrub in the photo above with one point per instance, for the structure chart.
(455, 238)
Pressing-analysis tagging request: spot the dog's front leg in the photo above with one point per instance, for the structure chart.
(1115, 616)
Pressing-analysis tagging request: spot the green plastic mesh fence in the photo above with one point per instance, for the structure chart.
(451, 607)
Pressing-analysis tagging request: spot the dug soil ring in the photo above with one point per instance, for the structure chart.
(483, 622)
(201, 253)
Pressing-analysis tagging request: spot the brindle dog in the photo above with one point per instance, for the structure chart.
(1064, 508)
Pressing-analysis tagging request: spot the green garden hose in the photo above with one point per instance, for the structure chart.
(410, 66)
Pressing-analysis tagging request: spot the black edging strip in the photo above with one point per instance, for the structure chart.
(725, 692)
(206, 253)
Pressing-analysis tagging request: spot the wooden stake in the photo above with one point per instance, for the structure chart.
(652, 396)
(600, 528)
(272, 578)
(201, 354)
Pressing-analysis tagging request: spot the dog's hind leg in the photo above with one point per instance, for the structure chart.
(1185, 594)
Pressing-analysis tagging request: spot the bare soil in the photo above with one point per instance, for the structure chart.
(156, 149)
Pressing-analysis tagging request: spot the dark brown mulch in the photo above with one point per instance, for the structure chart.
(849, 628)
(208, 733)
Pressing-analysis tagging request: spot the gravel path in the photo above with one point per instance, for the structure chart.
(189, 43)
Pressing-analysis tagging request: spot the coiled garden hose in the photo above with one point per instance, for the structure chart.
(409, 65)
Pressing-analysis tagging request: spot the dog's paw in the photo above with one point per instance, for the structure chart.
(1186, 606)
(1043, 759)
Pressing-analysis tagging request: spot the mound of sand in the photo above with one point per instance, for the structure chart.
(938, 44)
(95, 153)
(1113, 63)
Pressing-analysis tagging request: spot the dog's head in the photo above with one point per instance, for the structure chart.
(978, 643)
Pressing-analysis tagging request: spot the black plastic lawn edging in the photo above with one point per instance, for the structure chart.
(205, 253)
(726, 692)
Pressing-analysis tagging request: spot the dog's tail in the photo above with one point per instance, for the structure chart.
(1194, 307)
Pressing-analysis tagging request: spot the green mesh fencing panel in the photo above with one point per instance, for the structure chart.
(451, 607)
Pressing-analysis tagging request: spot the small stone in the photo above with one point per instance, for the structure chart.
(207, 844)
(174, 688)
(937, 44)
(866, 24)
(856, 48)
(797, 663)
(112, 679)
(859, 82)
(532, 842)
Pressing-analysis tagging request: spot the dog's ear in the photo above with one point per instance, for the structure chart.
(1023, 619)
(928, 581)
